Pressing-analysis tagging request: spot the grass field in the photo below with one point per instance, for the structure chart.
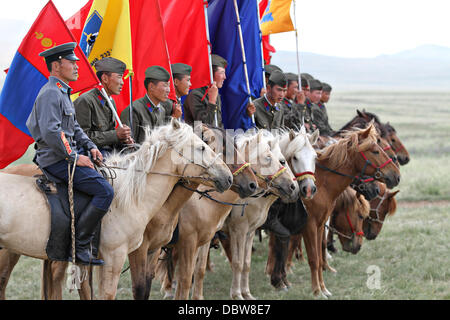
(412, 251)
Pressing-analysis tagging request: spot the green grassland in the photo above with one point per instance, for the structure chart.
(412, 251)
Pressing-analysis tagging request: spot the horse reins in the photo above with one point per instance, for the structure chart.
(377, 219)
(354, 233)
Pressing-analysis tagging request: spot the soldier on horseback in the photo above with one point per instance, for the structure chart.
(54, 127)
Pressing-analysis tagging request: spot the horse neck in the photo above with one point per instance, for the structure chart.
(177, 199)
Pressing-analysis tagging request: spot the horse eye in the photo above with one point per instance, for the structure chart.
(202, 148)
(375, 152)
(295, 158)
(360, 216)
(393, 140)
(283, 162)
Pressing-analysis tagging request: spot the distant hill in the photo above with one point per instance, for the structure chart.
(426, 67)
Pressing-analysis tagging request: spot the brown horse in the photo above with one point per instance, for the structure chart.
(382, 206)
(357, 153)
(386, 131)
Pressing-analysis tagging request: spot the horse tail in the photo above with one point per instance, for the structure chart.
(45, 279)
(165, 267)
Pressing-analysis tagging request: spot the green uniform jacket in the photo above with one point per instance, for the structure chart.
(168, 109)
(197, 107)
(145, 114)
(293, 113)
(320, 117)
(96, 118)
(268, 116)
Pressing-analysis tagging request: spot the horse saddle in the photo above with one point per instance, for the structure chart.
(59, 243)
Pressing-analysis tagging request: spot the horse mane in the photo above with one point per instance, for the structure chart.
(338, 154)
(294, 146)
(349, 200)
(130, 184)
(360, 122)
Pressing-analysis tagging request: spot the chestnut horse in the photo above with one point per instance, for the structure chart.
(356, 154)
(201, 218)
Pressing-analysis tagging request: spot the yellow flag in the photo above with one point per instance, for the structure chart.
(107, 32)
(277, 17)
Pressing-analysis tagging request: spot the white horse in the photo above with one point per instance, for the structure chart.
(201, 218)
(297, 149)
(140, 189)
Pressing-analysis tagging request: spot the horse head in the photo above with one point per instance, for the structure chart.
(397, 145)
(262, 150)
(194, 159)
(301, 156)
(382, 206)
(350, 211)
(244, 180)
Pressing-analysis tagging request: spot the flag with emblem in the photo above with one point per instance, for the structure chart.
(27, 74)
(277, 17)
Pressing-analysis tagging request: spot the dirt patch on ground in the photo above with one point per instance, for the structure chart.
(419, 204)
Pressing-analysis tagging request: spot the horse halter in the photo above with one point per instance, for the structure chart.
(377, 219)
(270, 178)
(240, 169)
(304, 175)
(354, 233)
(378, 174)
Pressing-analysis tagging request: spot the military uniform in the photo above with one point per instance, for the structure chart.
(320, 115)
(53, 125)
(97, 120)
(198, 107)
(268, 116)
(145, 112)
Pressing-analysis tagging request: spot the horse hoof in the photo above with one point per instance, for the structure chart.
(326, 292)
(332, 269)
(237, 297)
(168, 296)
(248, 296)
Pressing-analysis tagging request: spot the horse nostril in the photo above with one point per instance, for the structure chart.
(252, 186)
(313, 189)
(292, 186)
(304, 190)
(230, 180)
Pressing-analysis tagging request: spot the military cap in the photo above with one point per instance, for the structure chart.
(269, 68)
(110, 64)
(157, 73)
(291, 76)
(305, 82)
(278, 78)
(63, 51)
(315, 84)
(181, 68)
(307, 76)
(326, 87)
(218, 61)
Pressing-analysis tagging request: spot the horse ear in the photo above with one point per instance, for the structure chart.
(175, 124)
(313, 138)
(291, 134)
(392, 194)
(364, 133)
(359, 113)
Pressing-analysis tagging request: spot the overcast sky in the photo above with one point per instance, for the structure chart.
(345, 28)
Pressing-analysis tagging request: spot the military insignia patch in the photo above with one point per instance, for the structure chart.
(149, 106)
(66, 143)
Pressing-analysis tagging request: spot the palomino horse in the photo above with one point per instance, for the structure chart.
(356, 154)
(160, 229)
(382, 206)
(240, 229)
(140, 190)
(201, 218)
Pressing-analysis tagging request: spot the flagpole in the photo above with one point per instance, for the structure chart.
(107, 98)
(244, 61)
(296, 45)
(262, 49)
(211, 77)
(131, 104)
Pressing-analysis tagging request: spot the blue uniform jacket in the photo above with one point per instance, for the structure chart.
(53, 125)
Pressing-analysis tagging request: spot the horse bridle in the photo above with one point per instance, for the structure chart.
(354, 233)
(377, 219)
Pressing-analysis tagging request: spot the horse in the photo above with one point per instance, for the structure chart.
(201, 218)
(297, 148)
(382, 206)
(159, 230)
(356, 154)
(144, 180)
(386, 131)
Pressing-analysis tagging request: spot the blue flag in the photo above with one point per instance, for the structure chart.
(225, 41)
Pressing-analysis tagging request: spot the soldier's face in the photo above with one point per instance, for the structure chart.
(182, 86)
(159, 91)
(277, 93)
(219, 77)
(325, 97)
(66, 70)
(292, 90)
(315, 95)
(113, 83)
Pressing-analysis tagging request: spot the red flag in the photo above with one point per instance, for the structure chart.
(267, 48)
(184, 25)
(76, 22)
(149, 48)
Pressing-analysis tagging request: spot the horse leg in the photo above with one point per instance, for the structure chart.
(321, 250)
(278, 276)
(85, 291)
(245, 281)
(294, 242)
(138, 267)
(185, 270)
(152, 260)
(325, 254)
(109, 274)
(8, 260)
(199, 273)
(166, 269)
(310, 238)
(237, 249)
(271, 255)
